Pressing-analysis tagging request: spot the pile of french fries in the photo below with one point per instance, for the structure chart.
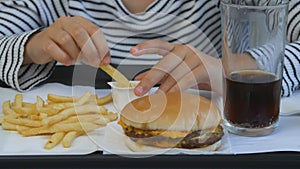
(63, 118)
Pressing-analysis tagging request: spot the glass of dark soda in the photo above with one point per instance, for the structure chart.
(253, 47)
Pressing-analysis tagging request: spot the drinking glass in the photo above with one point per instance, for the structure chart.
(253, 44)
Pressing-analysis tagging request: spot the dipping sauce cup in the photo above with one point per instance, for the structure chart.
(122, 95)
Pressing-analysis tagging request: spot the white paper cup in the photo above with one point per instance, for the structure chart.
(122, 95)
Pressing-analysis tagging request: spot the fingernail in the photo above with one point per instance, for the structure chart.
(69, 62)
(139, 90)
(106, 60)
(133, 50)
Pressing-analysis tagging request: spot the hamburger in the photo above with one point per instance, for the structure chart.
(172, 120)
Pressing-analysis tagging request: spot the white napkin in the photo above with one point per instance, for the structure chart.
(285, 138)
(290, 105)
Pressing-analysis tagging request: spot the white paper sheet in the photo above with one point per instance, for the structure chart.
(291, 105)
(284, 138)
(110, 139)
(12, 143)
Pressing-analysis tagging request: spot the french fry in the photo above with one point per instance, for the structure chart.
(69, 138)
(39, 103)
(13, 127)
(34, 117)
(11, 116)
(24, 122)
(6, 109)
(8, 126)
(25, 110)
(60, 99)
(60, 127)
(54, 140)
(28, 105)
(21, 107)
(50, 111)
(21, 128)
(80, 101)
(60, 106)
(116, 75)
(104, 119)
(101, 121)
(49, 102)
(18, 101)
(43, 116)
(82, 118)
(33, 131)
(112, 116)
(104, 100)
(84, 109)
(83, 99)
(80, 127)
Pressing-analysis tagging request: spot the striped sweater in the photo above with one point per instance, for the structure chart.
(194, 22)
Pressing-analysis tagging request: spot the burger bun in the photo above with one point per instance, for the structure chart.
(136, 147)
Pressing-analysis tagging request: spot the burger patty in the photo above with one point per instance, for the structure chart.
(199, 139)
(193, 139)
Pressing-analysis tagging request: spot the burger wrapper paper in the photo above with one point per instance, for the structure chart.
(284, 138)
(115, 143)
(115, 140)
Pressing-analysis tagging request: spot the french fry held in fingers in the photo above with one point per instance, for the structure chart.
(62, 118)
(116, 75)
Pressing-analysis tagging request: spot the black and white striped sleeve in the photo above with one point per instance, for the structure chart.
(20, 77)
(18, 21)
(291, 72)
(291, 69)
